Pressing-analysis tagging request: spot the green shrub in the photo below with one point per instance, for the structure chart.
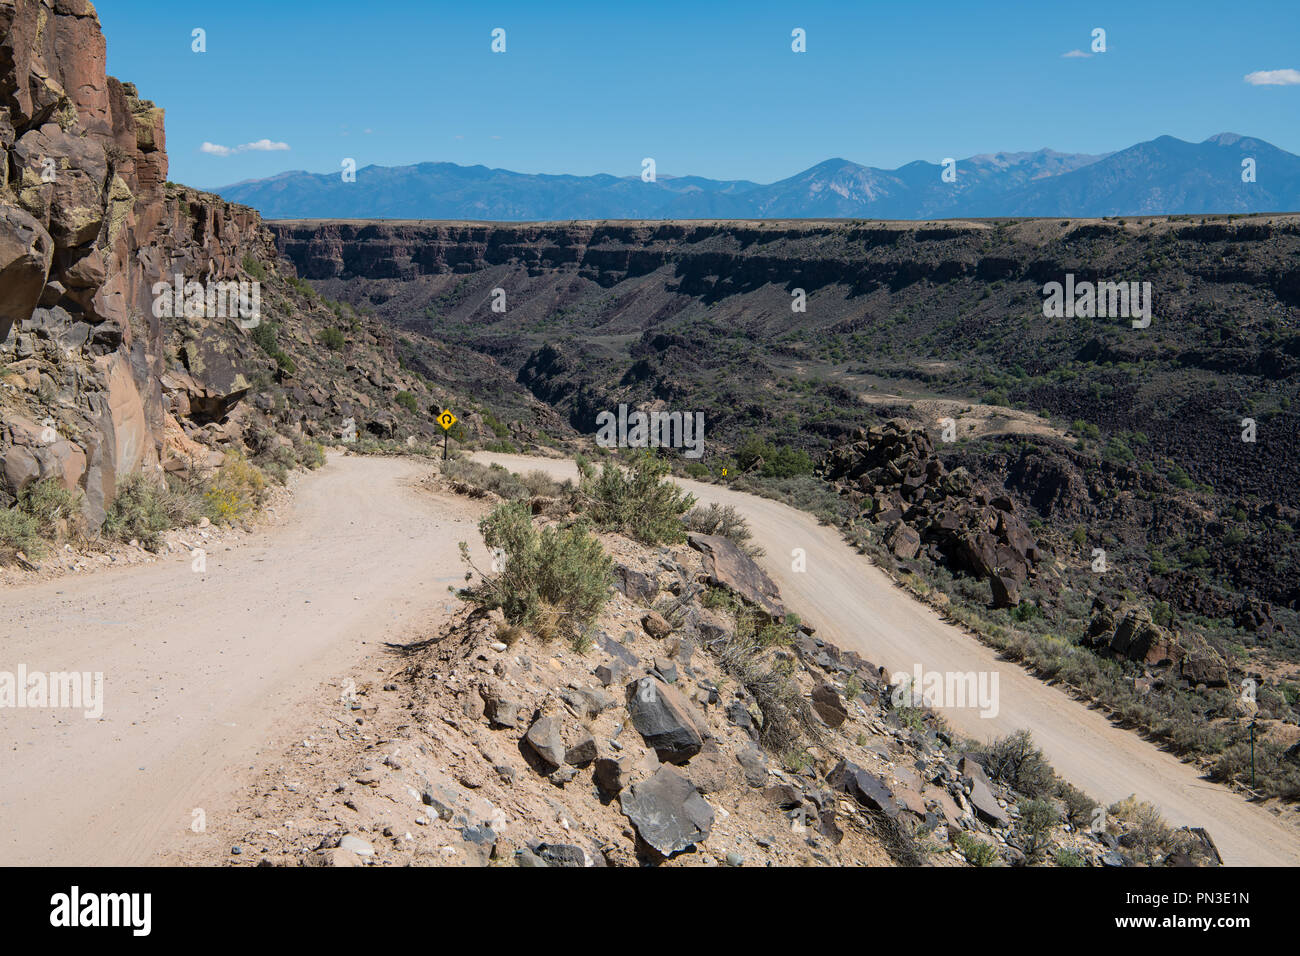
(554, 580)
(976, 851)
(48, 502)
(725, 521)
(1148, 834)
(494, 478)
(254, 268)
(264, 337)
(1025, 611)
(786, 722)
(1015, 760)
(498, 427)
(773, 461)
(1118, 450)
(144, 508)
(310, 454)
(333, 339)
(407, 401)
(236, 492)
(1079, 806)
(1037, 820)
(636, 501)
(538, 484)
(19, 531)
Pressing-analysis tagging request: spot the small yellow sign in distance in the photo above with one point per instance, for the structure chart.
(446, 420)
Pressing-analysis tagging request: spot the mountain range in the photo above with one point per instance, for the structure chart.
(1164, 176)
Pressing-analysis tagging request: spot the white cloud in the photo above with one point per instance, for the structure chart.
(260, 146)
(1273, 78)
(264, 146)
(1075, 55)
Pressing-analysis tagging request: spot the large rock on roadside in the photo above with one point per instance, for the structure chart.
(664, 719)
(1138, 638)
(728, 566)
(1006, 590)
(668, 812)
(863, 786)
(829, 706)
(635, 585)
(981, 794)
(903, 541)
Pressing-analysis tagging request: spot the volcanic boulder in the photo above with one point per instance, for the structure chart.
(668, 812)
(728, 566)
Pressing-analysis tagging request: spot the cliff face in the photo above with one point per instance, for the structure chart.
(88, 225)
(719, 258)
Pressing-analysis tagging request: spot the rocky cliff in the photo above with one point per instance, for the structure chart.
(88, 224)
(123, 346)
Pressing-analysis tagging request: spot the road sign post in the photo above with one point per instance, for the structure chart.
(446, 419)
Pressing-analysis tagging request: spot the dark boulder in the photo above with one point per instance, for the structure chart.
(668, 812)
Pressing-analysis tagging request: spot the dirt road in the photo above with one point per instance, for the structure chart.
(202, 670)
(856, 605)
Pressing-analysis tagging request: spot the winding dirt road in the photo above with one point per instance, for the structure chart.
(854, 604)
(200, 671)
(203, 671)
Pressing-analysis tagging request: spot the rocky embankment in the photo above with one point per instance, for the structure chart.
(904, 489)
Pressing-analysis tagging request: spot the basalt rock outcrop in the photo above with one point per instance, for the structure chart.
(726, 565)
(1128, 632)
(88, 225)
(892, 472)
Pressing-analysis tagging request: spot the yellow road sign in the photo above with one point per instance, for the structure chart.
(446, 420)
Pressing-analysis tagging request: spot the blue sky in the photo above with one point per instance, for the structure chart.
(710, 89)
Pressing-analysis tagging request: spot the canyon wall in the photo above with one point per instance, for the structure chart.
(88, 225)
